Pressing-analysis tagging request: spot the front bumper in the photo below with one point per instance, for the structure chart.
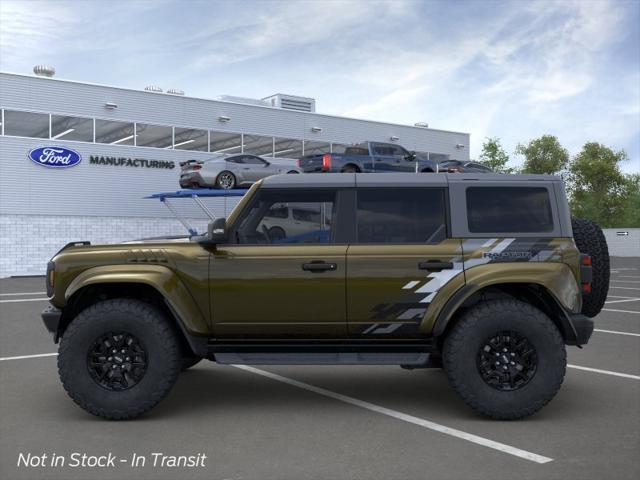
(51, 317)
(583, 326)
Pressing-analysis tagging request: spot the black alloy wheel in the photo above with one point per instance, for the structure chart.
(507, 361)
(117, 361)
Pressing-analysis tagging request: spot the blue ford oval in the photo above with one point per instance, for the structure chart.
(55, 157)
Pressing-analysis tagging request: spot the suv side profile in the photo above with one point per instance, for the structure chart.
(478, 274)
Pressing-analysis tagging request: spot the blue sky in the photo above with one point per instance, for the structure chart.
(515, 70)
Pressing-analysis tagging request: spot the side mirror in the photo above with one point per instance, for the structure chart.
(266, 164)
(411, 157)
(217, 231)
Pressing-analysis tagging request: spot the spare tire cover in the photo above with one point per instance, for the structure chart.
(590, 240)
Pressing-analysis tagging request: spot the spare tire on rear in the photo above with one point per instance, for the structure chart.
(590, 240)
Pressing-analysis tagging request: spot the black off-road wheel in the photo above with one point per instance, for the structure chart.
(590, 240)
(505, 358)
(119, 358)
(350, 169)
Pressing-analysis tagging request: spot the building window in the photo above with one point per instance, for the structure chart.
(509, 209)
(71, 128)
(338, 147)
(157, 136)
(225, 143)
(316, 148)
(287, 148)
(414, 215)
(258, 145)
(191, 139)
(115, 133)
(26, 124)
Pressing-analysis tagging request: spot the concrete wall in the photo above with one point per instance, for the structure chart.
(621, 245)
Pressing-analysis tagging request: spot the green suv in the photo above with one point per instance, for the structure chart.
(483, 275)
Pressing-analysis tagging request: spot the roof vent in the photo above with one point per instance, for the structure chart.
(244, 100)
(292, 102)
(153, 88)
(44, 71)
(175, 91)
(421, 124)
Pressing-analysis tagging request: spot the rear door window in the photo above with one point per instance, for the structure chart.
(509, 210)
(413, 215)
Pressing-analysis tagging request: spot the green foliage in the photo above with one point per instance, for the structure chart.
(599, 190)
(631, 213)
(494, 156)
(543, 155)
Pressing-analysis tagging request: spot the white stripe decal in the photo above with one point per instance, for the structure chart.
(502, 245)
(469, 437)
(488, 243)
(428, 298)
(411, 284)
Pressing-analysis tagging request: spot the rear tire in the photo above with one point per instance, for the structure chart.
(350, 169)
(590, 240)
(226, 180)
(119, 358)
(505, 358)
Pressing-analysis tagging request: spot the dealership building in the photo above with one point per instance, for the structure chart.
(127, 144)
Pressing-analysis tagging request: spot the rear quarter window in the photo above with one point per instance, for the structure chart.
(509, 209)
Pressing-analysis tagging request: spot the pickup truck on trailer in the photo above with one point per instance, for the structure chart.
(368, 157)
(485, 275)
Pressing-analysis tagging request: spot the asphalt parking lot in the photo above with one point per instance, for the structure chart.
(326, 422)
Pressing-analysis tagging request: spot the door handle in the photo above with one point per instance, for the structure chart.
(318, 266)
(435, 265)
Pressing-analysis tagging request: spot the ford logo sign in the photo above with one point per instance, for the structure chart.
(55, 157)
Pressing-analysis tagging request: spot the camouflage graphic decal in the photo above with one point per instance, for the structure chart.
(417, 294)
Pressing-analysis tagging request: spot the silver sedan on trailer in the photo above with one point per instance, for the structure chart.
(231, 171)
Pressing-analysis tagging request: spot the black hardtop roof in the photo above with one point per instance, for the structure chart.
(391, 180)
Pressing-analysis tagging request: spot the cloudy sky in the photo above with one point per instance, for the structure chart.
(515, 70)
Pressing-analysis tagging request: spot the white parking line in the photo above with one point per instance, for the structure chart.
(621, 301)
(23, 293)
(533, 457)
(606, 372)
(22, 357)
(616, 332)
(24, 300)
(623, 288)
(619, 311)
(624, 281)
(628, 276)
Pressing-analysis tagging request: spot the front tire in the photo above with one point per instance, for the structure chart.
(119, 358)
(505, 358)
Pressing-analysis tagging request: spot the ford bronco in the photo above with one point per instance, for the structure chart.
(483, 275)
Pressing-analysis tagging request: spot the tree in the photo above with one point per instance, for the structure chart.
(494, 156)
(543, 155)
(599, 190)
(631, 214)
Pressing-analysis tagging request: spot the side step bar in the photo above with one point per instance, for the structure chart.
(412, 359)
(320, 352)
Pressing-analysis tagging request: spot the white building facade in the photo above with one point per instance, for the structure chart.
(128, 145)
